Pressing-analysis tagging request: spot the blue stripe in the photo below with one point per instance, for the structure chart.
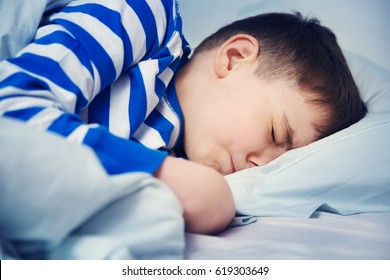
(141, 8)
(65, 124)
(96, 52)
(23, 81)
(162, 53)
(174, 103)
(176, 64)
(138, 101)
(171, 25)
(63, 38)
(51, 69)
(110, 18)
(99, 109)
(119, 155)
(24, 114)
(165, 61)
(159, 87)
(168, 7)
(161, 124)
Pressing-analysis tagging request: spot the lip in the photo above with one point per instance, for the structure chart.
(223, 169)
(233, 168)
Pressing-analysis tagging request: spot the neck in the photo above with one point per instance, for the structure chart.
(194, 80)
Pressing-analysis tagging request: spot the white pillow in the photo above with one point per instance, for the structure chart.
(346, 173)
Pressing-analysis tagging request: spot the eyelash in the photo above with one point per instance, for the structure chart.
(273, 134)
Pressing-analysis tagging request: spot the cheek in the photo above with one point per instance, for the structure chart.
(251, 136)
(201, 144)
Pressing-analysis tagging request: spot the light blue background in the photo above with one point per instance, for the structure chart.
(362, 26)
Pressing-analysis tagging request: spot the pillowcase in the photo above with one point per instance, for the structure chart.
(345, 173)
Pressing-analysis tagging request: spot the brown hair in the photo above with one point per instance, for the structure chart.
(307, 53)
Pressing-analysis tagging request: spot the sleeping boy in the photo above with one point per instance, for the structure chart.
(116, 76)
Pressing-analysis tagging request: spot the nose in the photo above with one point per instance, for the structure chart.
(263, 157)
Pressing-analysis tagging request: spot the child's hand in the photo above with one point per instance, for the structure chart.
(203, 192)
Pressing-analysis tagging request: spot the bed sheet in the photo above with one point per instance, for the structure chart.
(325, 236)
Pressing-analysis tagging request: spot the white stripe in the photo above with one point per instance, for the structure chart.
(45, 118)
(149, 69)
(7, 69)
(149, 137)
(48, 29)
(35, 93)
(97, 81)
(69, 62)
(84, 114)
(64, 99)
(78, 134)
(160, 18)
(24, 102)
(166, 110)
(131, 23)
(61, 97)
(175, 11)
(119, 121)
(175, 45)
(110, 42)
(166, 76)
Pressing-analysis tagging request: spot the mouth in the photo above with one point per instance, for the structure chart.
(227, 169)
(232, 168)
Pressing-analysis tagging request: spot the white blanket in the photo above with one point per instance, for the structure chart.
(57, 202)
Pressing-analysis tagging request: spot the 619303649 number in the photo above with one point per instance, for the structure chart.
(236, 270)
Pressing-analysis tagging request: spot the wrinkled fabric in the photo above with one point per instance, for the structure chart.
(57, 202)
(19, 21)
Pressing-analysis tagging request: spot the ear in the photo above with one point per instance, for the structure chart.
(240, 48)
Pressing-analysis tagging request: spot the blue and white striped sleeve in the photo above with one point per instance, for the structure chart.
(83, 49)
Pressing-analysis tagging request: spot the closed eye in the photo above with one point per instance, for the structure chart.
(273, 135)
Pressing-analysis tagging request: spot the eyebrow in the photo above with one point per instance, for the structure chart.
(289, 138)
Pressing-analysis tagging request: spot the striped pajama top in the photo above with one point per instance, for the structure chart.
(101, 73)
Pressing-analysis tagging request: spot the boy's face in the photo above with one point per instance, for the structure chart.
(235, 120)
(250, 126)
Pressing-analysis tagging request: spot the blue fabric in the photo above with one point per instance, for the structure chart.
(106, 63)
(56, 199)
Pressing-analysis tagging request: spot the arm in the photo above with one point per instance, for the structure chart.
(75, 57)
(203, 192)
(59, 74)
